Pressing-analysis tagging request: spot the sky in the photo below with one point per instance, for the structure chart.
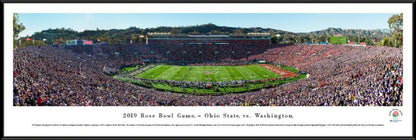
(293, 22)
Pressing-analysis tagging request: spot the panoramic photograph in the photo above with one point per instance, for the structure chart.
(208, 59)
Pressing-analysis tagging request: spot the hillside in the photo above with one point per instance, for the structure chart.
(133, 33)
(380, 33)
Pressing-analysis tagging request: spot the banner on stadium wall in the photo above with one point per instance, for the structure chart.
(87, 42)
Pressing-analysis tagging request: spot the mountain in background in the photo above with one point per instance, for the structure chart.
(379, 33)
(132, 33)
(212, 29)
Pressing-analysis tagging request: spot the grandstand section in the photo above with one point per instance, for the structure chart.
(338, 75)
(207, 40)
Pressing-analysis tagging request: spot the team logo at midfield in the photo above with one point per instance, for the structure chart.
(395, 115)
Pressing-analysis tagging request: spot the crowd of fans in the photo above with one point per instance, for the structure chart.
(339, 76)
(208, 53)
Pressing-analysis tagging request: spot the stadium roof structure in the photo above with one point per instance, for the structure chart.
(209, 36)
(259, 34)
(158, 33)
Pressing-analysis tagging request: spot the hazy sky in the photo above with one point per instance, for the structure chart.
(294, 22)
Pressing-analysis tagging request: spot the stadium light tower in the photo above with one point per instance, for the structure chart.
(147, 39)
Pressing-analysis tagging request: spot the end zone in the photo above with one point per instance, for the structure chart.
(282, 72)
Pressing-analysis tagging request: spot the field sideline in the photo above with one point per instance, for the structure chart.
(208, 73)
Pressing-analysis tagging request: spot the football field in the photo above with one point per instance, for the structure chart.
(208, 73)
(254, 77)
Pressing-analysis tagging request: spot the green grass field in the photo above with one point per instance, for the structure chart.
(338, 40)
(208, 73)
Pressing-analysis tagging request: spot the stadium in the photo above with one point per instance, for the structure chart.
(210, 74)
(208, 70)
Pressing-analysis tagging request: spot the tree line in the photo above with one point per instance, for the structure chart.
(135, 34)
